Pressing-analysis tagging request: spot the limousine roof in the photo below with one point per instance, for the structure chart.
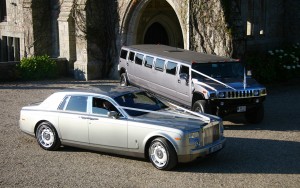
(179, 54)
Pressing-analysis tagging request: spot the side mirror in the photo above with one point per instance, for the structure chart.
(113, 114)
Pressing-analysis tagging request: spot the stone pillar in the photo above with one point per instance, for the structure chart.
(67, 39)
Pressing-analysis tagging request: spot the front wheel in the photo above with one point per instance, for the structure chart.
(255, 115)
(201, 106)
(123, 80)
(162, 154)
(47, 137)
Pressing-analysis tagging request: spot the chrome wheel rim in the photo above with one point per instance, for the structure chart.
(158, 154)
(45, 136)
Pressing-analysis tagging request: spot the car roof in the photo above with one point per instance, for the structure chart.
(179, 54)
(107, 90)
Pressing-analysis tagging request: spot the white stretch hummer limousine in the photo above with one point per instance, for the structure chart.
(202, 82)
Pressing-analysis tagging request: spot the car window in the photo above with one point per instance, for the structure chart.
(159, 64)
(149, 61)
(77, 104)
(123, 54)
(63, 103)
(139, 59)
(102, 106)
(171, 68)
(141, 100)
(131, 56)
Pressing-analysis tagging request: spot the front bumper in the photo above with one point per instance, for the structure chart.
(223, 107)
(202, 151)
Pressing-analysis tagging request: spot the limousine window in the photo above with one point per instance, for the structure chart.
(149, 61)
(139, 59)
(171, 68)
(123, 54)
(131, 56)
(159, 64)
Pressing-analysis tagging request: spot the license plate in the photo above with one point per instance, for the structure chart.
(241, 109)
(216, 148)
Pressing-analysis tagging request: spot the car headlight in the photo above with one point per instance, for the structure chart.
(256, 92)
(194, 138)
(194, 135)
(221, 94)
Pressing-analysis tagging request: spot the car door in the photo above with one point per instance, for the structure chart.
(183, 85)
(73, 121)
(104, 130)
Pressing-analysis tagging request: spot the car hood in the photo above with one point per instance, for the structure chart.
(236, 83)
(174, 120)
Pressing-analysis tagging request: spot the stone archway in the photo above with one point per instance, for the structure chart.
(139, 20)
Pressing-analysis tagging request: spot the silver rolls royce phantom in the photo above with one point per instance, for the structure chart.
(122, 120)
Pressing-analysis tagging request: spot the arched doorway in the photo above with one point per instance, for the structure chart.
(152, 21)
(156, 34)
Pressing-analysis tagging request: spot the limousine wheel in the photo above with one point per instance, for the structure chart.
(47, 137)
(123, 80)
(255, 115)
(201, 106)
(162, 154)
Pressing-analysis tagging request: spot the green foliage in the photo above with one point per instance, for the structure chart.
(276, 65)
(37, 68)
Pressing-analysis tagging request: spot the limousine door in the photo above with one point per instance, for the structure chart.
(183, 85)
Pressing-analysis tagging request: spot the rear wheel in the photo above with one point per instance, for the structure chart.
(47, 136)
(255, 115)
(123, 80)
(201, 106)
(162, 154)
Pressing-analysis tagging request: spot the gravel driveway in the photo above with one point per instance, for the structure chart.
(263, 155)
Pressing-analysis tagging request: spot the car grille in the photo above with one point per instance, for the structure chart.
(210, 133)
(239, 94)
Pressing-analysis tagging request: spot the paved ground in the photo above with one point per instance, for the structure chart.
(263, 155)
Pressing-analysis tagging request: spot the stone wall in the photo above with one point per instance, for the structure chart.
(210, 32)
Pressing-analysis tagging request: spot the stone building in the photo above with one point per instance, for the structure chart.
(89, 33)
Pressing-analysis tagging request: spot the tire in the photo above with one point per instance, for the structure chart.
(162, 154)
(123, 80)
(255, 115)
(47, 137)
(201, 106)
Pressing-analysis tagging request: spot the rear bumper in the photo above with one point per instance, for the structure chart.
(202, 151)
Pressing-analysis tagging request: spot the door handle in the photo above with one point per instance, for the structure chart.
(89, 118)
(179, 81)
(127, 64)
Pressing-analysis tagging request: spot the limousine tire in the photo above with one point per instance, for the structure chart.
(47, 137)
(124, 80)
(162, 154)
(255, 115)
(201, 106)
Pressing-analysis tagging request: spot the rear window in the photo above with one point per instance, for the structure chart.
(139, 59)
(159, 64)
(171, 68)
(123, 54)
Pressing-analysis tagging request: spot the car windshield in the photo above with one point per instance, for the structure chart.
(140, 100)
(219, 70)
